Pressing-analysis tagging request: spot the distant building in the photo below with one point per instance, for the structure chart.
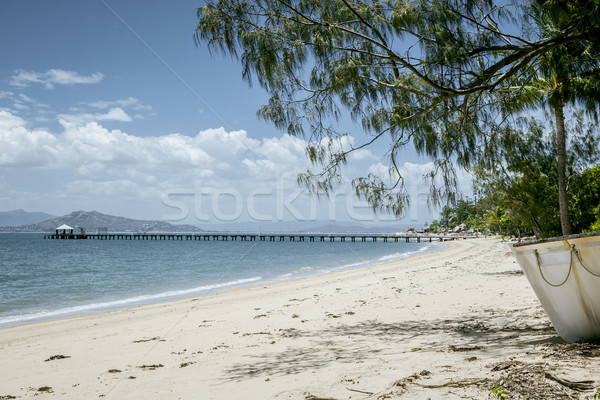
(64, 230)
(102, 230)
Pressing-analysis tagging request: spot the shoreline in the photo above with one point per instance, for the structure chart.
(445, 324)
(254, 286)
(142, 300)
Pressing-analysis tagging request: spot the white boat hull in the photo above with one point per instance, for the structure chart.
(564, 273)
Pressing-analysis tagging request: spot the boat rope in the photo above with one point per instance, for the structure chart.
(537, 258)
(582, 264)
(571, 265)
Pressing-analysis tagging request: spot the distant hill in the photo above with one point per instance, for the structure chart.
(93, 220)
(22, 217)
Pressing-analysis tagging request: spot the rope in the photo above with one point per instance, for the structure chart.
(537, 258)
(583, 265)
(571, 266)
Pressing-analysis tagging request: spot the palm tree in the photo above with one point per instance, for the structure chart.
(569, 83)
(494, 217)
(568, 74)
(553, 93)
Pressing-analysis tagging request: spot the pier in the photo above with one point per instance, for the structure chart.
(263, 237)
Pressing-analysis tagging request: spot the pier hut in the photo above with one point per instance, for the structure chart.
(66, 232)
(64, 229)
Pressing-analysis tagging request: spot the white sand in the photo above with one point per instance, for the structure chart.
(449, 317)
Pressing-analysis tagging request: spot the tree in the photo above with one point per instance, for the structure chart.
(433, 227)
(523, 177)
(586, 200)
(494, 219)
(425, 72)
(569, 73)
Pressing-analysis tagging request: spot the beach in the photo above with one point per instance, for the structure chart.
(445, 324)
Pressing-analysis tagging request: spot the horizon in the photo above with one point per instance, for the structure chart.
(287, 226)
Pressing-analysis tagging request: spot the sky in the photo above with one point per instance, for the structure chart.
(111, 106)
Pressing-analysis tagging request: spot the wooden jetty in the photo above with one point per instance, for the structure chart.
(263, 237)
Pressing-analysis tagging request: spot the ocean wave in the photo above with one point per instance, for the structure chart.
(389, 257)
(109, 305)
(405, 254)
(345, 261)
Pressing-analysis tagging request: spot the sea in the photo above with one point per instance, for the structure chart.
(42, 279)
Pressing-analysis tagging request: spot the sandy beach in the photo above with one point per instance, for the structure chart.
(448, 324)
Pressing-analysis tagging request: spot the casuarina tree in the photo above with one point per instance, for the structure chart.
(433, 73)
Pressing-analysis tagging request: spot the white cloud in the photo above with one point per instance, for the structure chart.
(362, 154)
(114, 114)
(347, 143)
(216, 157)
(26, 98)
(91, 150)
(130, 102)
(21, 146)
(9, 121)
(53, 77)
(92, 164)
(122, 188)
(411, 172)
(74, 120)
(24, 103)
(414, 177)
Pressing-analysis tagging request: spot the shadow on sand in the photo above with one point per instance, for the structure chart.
(314, 350)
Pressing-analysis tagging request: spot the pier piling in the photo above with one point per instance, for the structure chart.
(244, 237)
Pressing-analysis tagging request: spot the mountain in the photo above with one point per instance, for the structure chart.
(22, 217)
(93, 220)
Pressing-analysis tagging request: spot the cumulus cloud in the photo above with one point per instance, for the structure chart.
(215, 156)
(90, 149)
(53, 77)
(347, 143)
(21, 146)
(412, 173)
(93, 164)
(9, 121)
(415, 182)
(114, 114)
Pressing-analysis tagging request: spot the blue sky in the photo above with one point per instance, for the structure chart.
(111, 106)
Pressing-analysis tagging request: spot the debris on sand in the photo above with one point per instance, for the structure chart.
(57, 357)
(151, 366)
(535, 381)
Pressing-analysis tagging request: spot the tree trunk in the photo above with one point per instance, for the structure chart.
(561, 142)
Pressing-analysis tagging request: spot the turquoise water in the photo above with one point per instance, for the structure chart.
(46, 279)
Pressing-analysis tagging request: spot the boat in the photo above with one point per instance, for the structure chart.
(564, 273)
